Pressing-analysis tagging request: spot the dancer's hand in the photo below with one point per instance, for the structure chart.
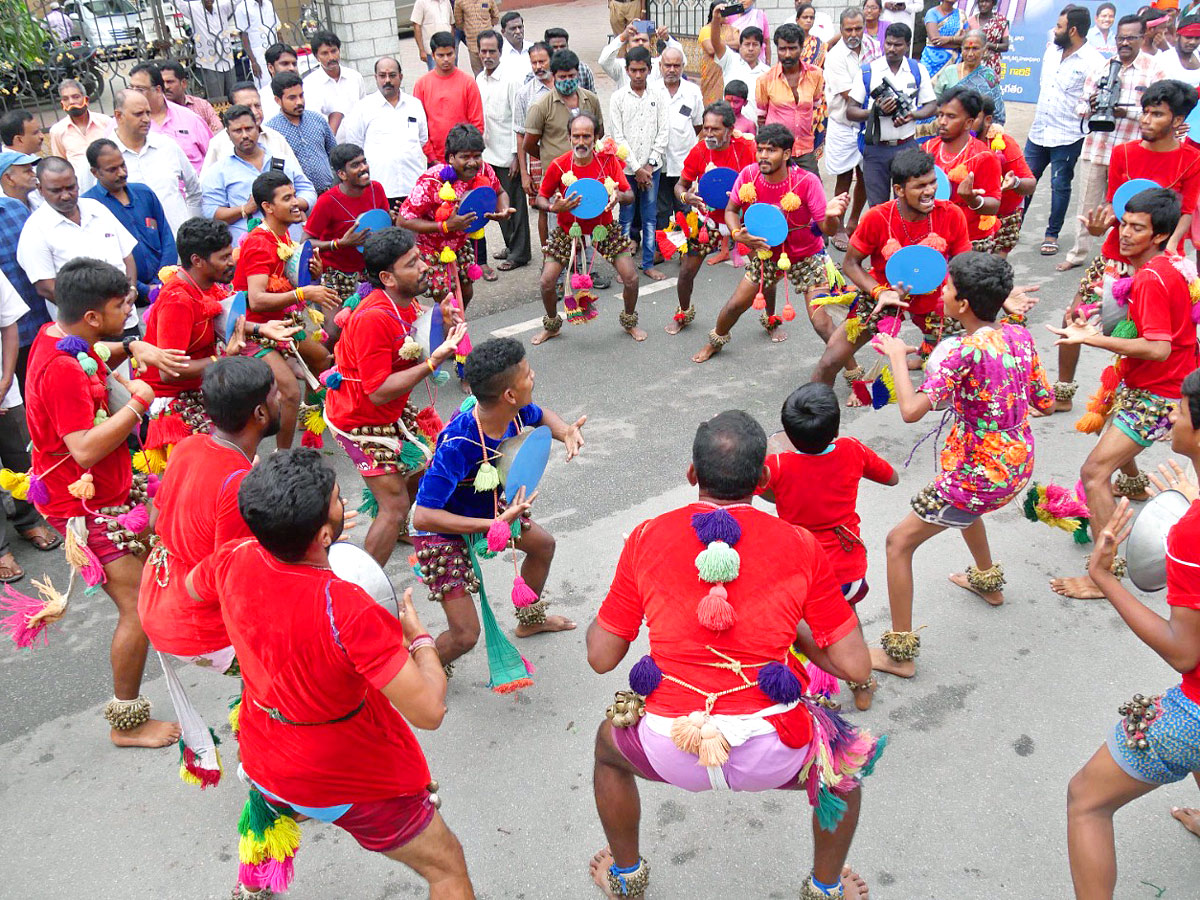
(1076, 332)
(451, 314)
(1109, 539)
(1009, 182)
(354, 236)
(560, 204)
(315, 266)
(409, 620)
(453, 339)
(892, 347)
(1171, 477)
(836, 208)
(574, 438)
(519, 506)
(501, 215)
(277, 331)
(169, 361)
(322, 297)
(349, 520)
(744, 237)
(460, 222)
(137, 388)
(1019, 300)
(892, 297)
(967, 189)
(1097, 221)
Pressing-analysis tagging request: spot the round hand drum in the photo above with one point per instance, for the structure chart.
(356, 565)
(371, 221)
(767, 222)
(943, 184)
(1146, 548)
(429, 330)
(1128, 191)
(523, 459)
(919, 268)
(296, 268)
(593, 198)
(714, 186)
(480, 201)
(232, 307)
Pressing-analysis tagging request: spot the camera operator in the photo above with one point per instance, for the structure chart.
(1135, 75)
(900, 92)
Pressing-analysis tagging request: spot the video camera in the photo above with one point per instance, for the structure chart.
(885, 89)
(1108, 91)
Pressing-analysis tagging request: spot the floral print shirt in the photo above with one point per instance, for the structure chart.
(989, 379)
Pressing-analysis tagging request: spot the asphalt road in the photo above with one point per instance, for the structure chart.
(968, 803)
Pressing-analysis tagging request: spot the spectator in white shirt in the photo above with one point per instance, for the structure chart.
(514, 54)
(498, 88)
(611, 63)
(155, 160)
(685, 115)
(638, 119)
(280, 58)
(221, 147)
(258, 27)
(1181, 62)
(391, 127)
(333, 89)
(742, 63)
(843, 159)
(541, 82)
(210, 21)
(428, 18)
(67, 226)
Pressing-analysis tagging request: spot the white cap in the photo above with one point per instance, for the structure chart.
(54, 6)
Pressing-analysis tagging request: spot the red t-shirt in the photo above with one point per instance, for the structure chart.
(1178, 170)
(1183, 578)
(197, 505)
(259, 255)
(1161, 307)
(314, 648)
(182, 319)
(739, 154)
(975, 157)
(59, 399)
(1011, 159)
(603, 166)
(367, 353)
(333, 213)
(784, 579)
(882, 228)
(820, 492)
(424, 201)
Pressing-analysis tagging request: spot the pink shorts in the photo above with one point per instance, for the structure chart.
(106, 551)
(384, 825)
(763, 763)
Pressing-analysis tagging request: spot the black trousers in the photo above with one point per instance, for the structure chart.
(515, 229)
(14, 455)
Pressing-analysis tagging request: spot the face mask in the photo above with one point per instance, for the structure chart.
(567, 87)
(77, 108)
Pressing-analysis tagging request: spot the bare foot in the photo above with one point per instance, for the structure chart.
(1040, 414)
(881, 662)
(636, 333)
(674, 327)
(544, 336)
(153, 734)
(1082, 588)
(854, 887)
(1066, 266)
(653, 274)
(716, 258)
(599, 867)
(864, 696)
(1188, 818)
(853, 402)
(1062, 406)
(552, 623)
(778, 336)
(707, 352)
(915, 363)
(995, 598)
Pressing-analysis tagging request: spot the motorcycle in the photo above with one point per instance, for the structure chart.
(23, 85)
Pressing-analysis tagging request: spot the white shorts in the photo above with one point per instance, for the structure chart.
(841, 148)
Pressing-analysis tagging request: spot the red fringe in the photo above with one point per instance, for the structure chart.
(513, 686)
(166, 431)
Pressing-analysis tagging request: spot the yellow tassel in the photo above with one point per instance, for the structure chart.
(714, 748)
(889, 382)
(789, 202)
(784, 262)
(854, 327)
(446, 192)
(1194, 290)
(235, 717)
(747, 194)
(447, 255)
(16, 483)
(610, 185)
(622, 152)
(314, 421)
(317, 316)
(166, 272)
(476, 235)
(833, 300)
(152, 460)
(763, 254)
(998, 142)
(685, 732)
(83, 489)
(282, 838)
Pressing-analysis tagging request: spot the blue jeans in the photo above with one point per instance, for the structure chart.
(1061, 161)
(646, 201)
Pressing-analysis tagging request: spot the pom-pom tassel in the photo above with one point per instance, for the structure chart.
(498, 535)
(84, 488)
(487, 478)
(717, 525)
(235, 715)
(718, 562)
(16, 483)
(522, 594)
(152, 484)
(820, 682)
(21, 626)
(645, 676)
(311, 439)
(760, 301)
(430, 422)
(368, 505)
(780, 683)
(714, 747)
(37, 494)
(136, 520)
(714, 611)
(685, 732)
(191, 769)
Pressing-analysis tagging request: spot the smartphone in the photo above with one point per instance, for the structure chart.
(733, 9)
(643, 26)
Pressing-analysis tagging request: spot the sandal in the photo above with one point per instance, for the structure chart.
(10, 571)
(840, 241)
(42, 537)
(489, 274)
(1050, 247)
(507, 266)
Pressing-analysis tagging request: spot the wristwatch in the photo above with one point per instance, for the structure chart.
(126, 343)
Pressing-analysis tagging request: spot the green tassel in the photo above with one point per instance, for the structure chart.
(599, 234)
(468, 404)
(1126, 328)
(830, 809)
(481, 550)
(575, 231)
(257, 816)
(718, 562)
(487, 478)
(880, 745)
(516, 528)
(411, 455)
(369, 505)
(353, 302)
(1080, 534)
(1031, 501)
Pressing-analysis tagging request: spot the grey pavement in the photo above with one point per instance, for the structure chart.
(967, 803)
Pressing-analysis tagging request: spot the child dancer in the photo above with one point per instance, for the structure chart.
(1159, 740)
(816, 487)
(989, 377)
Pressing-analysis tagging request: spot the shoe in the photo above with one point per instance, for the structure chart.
(601, 282)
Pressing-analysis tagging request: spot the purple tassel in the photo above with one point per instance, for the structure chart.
(448, 173)
(72, 344)
(1196, 313)
(645, 676)
(38, 494)
(779, 683)
(717, 525)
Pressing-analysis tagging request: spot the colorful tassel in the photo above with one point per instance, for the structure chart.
(268, 844)
(779, 683)
(474, 271)
(166, 430)
(685, 732)
(90, 366)
(522, 594)
(136, 520)
(331, 378)
(440, 377)
(368, 505)
(430, 423)
(714, 747)
(487, 478)
(1126, 329)
(84, 488)
(411, 455)
(72, 345)
(714, 611)
(854, 327)
(37, 494)
(499, 533)
(16, 483)
(820, 682)
(645, 676)
(192, 772)
(235, 714)
(760, 301)
(716, 525)
(600, 234)
(718, 562)
(31, 616)
(311, 439)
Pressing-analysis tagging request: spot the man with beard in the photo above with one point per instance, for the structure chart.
(195, 514)
(221, 146)
(306, 132)
(391, 127)
(1181, 62)
(332, 226)
(80, 450)
(792, 94)
(369, 412)
(843, 156)
(183, 317)
(1055, 138)
(70, 137)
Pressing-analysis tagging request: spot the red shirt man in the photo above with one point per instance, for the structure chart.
(449, 99)
(1011, 160)
(259, 255)
(977, 159)
(1178, 170)
(197, 513)
(182, 318)
(739, 154)
(1183, 579)
(334, 213)
(1161, 307)
(602, 166)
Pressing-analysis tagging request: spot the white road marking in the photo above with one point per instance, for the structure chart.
(652, 288)
(519, 328)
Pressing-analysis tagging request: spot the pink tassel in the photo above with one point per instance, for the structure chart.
(1195, 318)
(270, 873)
(16, 626)
(522, 594)
(39, 495)
(1121, 290)
(474, 271)
(498, 536)
(889, 325)
(92, 570)
(136, 520)
(579, 281)
(529, 667)
(715, 612)
(152, 483)
(820, 682)
(342, 317)
(1063, 503)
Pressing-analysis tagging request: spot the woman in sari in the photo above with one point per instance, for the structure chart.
(943, 25)
(973, 73)
(994, 28)
(813, 51)
(712, 81)
(756, 17)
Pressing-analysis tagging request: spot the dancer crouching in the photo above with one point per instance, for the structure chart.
(988, 377)
(715, 705)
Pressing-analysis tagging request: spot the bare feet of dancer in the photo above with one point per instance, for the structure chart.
(152, 734)
(854, 887)
(720, 256)
(598, 868)
(864, 696)
(1081, 588)
(993, 598)
(636, 333)
(1189, 818)
(778, 335)
(552, 623)
(881, 662)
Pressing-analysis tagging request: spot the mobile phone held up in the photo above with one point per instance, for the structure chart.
(733, 9)
(643, 26)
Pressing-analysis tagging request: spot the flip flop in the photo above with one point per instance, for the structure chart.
(1050, 247)
(489, 274)
(840, 241)
(10, 571)
(507, 266)
(42, 537)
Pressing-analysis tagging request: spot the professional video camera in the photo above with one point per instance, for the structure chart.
(1108, 91)
(886, 89)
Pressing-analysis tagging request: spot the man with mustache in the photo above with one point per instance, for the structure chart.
(307, 133)
(70, 136)
(370, 412)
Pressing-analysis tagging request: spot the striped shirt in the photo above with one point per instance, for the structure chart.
(1134, 78)
(1057, 121)
(311, 141)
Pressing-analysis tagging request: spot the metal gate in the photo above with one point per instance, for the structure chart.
(97, 42)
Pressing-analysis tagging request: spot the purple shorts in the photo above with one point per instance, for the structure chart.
(763, 763)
